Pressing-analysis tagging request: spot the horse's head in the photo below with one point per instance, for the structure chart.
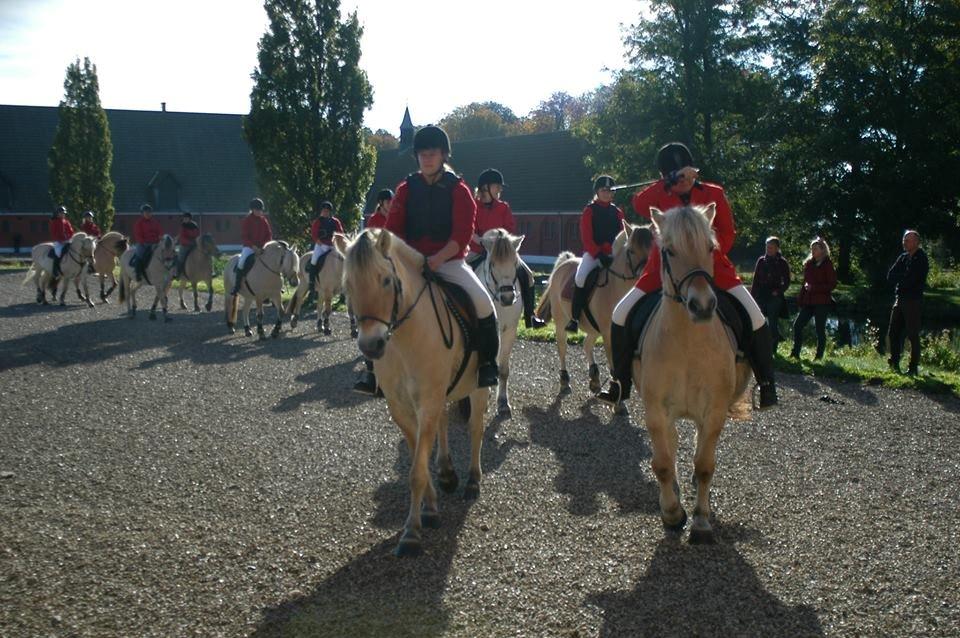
(86, 244)
(502, 263)
(289, 263)
(687, 242)
(208, 246)
(631, 249)
(167, 250)
(373, 287)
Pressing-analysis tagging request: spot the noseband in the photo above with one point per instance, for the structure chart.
(686, 279)
(395, 321)
(499, 289)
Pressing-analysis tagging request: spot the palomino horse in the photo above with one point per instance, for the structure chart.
(329, 284)
(418, 355)
(498, 272)
(688, 367)
(109, 249)
(629, 256)
(158, 273)
(73, 262)
(199, 267)
(264, 281)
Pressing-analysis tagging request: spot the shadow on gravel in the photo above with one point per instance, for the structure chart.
(34, 309)
(810, 387)
(707, 590)
(378, 594)
(332, 385)
(597, 457)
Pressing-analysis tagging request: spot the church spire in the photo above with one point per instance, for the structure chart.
(406, 130)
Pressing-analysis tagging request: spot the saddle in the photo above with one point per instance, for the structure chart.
(589, 286)
(322, 260)
(732, 315)
(461, 307)
(53, 253)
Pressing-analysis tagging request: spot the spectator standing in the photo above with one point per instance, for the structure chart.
(909, 275)
(771, 278)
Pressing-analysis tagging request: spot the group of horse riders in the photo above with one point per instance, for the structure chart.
(436, 213)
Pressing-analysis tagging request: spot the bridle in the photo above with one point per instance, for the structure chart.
(634, 268)
(686, 279)
(395, 319)
(498, 288)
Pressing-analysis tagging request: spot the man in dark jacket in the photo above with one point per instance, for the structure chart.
(909, 275)
(771, 278)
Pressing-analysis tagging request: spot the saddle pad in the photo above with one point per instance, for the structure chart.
(461, 301)
(732, 315)
(571, 282)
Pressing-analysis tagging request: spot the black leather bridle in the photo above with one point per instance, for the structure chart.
(686, 279)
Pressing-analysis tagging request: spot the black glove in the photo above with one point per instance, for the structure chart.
(605, 259)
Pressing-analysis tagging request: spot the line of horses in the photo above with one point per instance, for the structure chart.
(419, 337)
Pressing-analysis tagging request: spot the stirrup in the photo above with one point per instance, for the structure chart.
(613, 394)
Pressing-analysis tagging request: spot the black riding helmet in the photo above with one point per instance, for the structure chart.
(89, 214)
(256, 204)
(604, 181)
(325, 205)
(146, 208)
(186, 214)
(490, 176)
(384, 195)
(672, 157)
(60, 209)
(431, 137)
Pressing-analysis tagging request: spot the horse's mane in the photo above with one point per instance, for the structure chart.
(685, 230)
(167, 242)
(503, 246)
(619, 241)
(80, 235)
(362, 252)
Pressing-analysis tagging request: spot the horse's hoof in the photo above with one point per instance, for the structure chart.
(594, 371)
(702, 537)
(408, 547)
(274, 334)
(153, 316)
(621, 409)
(354, 333)
(326, 331)
(595, 386)
(448, 481)
(261, 336)
(676, 528)
(183, 306)
(430, 520)
(293, 323)
(248, 332)
(472, 491)
(504, 410)
(209, 307)
(89, 304)
(232, 330)
(63, 303)
(564, 379)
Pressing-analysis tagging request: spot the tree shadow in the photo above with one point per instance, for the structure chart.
(332, 385)
(22, 310)
(597, 457)
(706, 590)
(377, 594)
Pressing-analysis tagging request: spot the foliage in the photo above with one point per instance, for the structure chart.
(478, 120)
(381, 139)
(82, 154)
(306, 115)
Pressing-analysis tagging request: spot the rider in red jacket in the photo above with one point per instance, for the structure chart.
(254, 233)
(89, 227)
(187, 240)
(322, 231)
(147, 232)
(61, 230)
(679, 186)
(378, 219)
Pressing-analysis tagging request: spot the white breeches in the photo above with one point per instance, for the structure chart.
(750, 304)
(461, 274)
(587, 263)
(246, 252)
(319, 250)
(625, 305)
(58, 248)
(743, 295)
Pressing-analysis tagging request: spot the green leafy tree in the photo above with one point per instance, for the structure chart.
(81, 154)
(381, 139)
(479, 120)
(305, 126)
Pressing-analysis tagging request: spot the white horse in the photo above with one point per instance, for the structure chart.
(75, 257)
(498, 272)
(158, 273)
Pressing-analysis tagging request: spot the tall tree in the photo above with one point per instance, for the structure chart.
(305, 126)
(479, 120)
(81, 154)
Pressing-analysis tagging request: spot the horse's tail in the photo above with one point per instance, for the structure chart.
(742, 409)
(233, 306)
(32, 275)
(543, 310)
(292, 307)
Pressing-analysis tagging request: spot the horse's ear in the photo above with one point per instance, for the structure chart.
(383, 242)
(517, 241)
(710, 212)
(656, 216)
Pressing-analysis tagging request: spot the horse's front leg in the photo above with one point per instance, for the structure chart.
(86, 288)
(196, 297)
(561, 338)
(164, 299)
(260, 331)
(506, 347)
(589, 343)
(423, 496)
(76, 285)
(281, 314)
(446, 475)
(156, 302)
(183, 305)
(663, 440)
(113, 284)
(209, 305)
(247, 302)
(704, 464)
(478, 415)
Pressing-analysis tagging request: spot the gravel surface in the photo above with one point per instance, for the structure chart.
(173, 480)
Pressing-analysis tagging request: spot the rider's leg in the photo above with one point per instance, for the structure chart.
(57, 254)
(488, 337)
(138, 259)
(761, 347)
(242, 268)
(525, 279)
(587, 263)
(319, 250)
(622, 347)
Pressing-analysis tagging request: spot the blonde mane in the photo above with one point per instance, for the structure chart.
(686, 231)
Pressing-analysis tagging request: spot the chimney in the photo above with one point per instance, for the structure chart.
(163, 106)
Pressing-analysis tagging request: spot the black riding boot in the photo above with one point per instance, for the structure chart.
(313, 270)
(622, 347)
(241, 273)
(57, 273)
(526, 294)
(576, 308)
(761, 357)
(367, 383)
(488, 347)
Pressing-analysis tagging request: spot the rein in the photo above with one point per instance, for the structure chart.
(396, 322)
(634, 268)
(676, 295)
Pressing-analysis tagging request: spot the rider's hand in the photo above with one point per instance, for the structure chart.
(685, 179)
(434, 263)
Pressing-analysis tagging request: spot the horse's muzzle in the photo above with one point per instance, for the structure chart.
(372, 347)
(508, 298)
(701, 312)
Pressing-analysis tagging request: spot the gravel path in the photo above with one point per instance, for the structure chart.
(173, 480)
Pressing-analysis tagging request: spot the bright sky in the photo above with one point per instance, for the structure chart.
(197, 55)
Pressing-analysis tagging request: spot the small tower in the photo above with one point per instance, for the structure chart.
(406, 130)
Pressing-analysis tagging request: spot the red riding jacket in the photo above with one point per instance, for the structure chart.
(61, 230)
(317, 227)
(462, 221)
(91, 229)
(590, 243)
(496, 214)
(377, 220)
(255, 231)
(189, 231)
(147, 231)
(702, 194)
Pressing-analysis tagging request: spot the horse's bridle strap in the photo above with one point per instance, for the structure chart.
(678, 285)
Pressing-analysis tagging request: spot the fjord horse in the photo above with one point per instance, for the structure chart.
(498, 272)
(418, 351)
(629, 256)
(73, 263)
(109, 249)
(688, 368)
(275, 262)
(158, 273)
(328, 285)
(198, 267)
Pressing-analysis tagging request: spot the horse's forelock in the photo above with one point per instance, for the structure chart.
(641, 236)
(687, 232)
(361, 252)
(503, 247)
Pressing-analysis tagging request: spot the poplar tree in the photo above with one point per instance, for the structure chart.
(305, 126)
(82, 152)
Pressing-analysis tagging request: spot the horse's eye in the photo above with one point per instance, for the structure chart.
(386, 281)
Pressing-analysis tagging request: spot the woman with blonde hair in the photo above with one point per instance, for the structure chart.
(815, 300)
